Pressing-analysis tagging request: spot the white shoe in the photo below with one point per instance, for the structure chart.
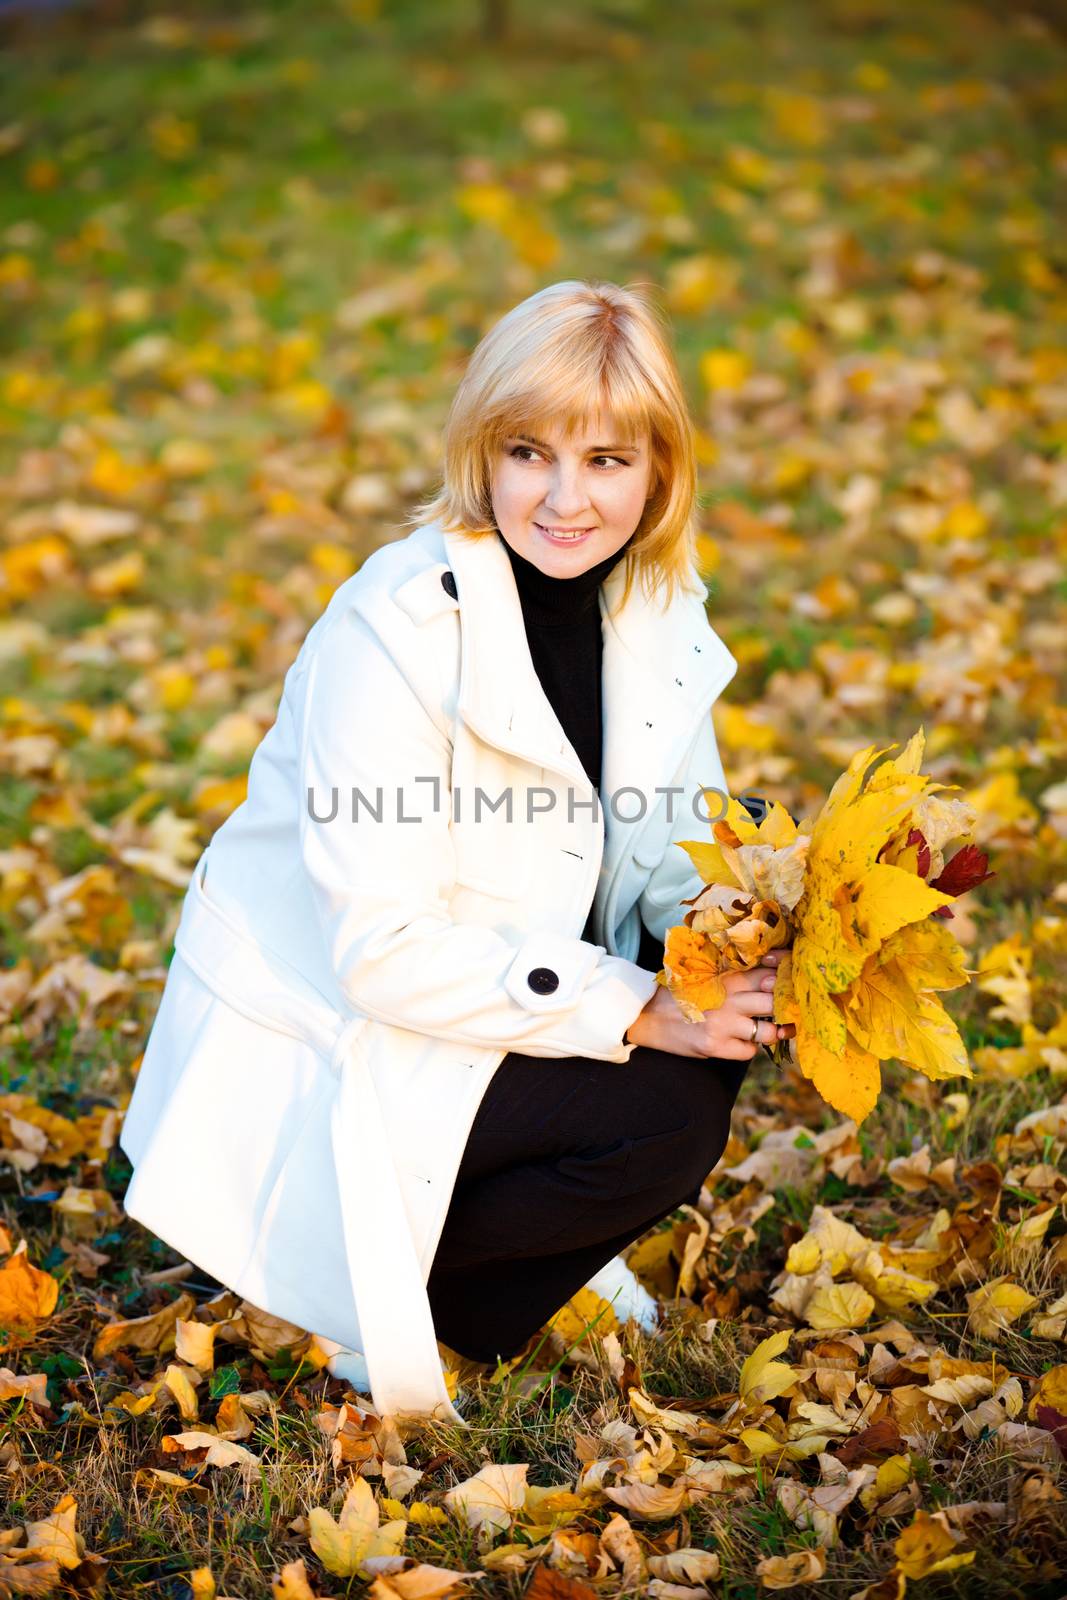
(349, 1365)
(614, 1282)
(629, 1298)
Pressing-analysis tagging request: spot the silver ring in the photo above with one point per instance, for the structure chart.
(755, 1030)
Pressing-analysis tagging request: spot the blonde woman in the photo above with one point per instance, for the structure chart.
(412, 1081)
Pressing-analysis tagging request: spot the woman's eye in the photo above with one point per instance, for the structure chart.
(522, 451)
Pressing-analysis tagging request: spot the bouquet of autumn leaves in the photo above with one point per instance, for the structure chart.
(863, 894)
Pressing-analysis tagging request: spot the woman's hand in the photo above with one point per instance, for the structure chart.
(725, 1032)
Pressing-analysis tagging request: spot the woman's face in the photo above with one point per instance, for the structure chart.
(544, 489)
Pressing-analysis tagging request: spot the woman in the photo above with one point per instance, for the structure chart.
(412, 1076)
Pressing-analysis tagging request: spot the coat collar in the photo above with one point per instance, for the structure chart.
(663, 668)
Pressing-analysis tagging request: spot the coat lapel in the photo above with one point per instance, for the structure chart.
(663, 669)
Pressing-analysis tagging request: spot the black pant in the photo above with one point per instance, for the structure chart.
(567, 1162)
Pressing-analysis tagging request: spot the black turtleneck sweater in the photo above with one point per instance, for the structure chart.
(564, 633)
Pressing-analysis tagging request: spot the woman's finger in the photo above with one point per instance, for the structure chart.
(767, 1032)
(752, 1003)
(749, 981)
(731, 1050)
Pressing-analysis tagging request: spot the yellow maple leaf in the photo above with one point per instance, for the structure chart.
(489, 1501)
(933, 957)
(867, 951)
(758, 1442)
(819, 1014)
(1051, 1391)
(884, 900)
(292, 1583)
(905, 765)
(849, 1079)
(851, 827)
(585, 1306)
(55, 1538)
(343, 1545)
(830, 1241)
(724, 369)
(762, 1377)
(708, 859)
(839, 1305)
(63, 1139)
(135, 1404)
(888, 1017)
(892, 1475)
(996, 1305)
(929, 1545)
(894, 1288)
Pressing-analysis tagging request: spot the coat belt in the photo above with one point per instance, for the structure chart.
(396, 1327)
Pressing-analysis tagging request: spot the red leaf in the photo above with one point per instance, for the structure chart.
(882, 1438)
(922, 865)
(968, 868)
(1053, 1422)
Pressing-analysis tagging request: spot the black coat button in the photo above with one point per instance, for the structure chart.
(448, 583)
(543, 980)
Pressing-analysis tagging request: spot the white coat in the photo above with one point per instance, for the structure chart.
(342, 991)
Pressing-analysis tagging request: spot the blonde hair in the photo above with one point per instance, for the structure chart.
(560, 355)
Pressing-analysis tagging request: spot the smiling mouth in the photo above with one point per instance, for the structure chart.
(564, 535)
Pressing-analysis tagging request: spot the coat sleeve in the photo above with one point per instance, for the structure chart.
(382, 889)
(675, 878)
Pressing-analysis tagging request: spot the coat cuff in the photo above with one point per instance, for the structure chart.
(595, 996)
(550, 971)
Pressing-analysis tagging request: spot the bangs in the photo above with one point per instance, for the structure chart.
(620, 401)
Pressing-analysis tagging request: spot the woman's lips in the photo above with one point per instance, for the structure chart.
(577, 538)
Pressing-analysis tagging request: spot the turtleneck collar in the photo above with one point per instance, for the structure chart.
(558, 602)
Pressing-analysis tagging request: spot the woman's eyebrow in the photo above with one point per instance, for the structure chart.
(594, 449)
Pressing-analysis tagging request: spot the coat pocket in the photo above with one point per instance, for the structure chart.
(255, 980)
(490, 864)
(493, 847)
(507, 885)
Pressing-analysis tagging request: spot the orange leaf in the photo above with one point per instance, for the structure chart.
(26, 1293)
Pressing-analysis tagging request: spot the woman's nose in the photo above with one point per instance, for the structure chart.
(566, 499)
(565, 512)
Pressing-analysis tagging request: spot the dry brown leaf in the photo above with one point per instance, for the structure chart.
(220, 1452)
(649, 1499)
(424, 1582)
(33, 1386)
(154, 1332)
(194, 1343)
(689, 1565)
(786, 1572)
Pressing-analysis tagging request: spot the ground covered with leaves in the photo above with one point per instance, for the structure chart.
(243, 257)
